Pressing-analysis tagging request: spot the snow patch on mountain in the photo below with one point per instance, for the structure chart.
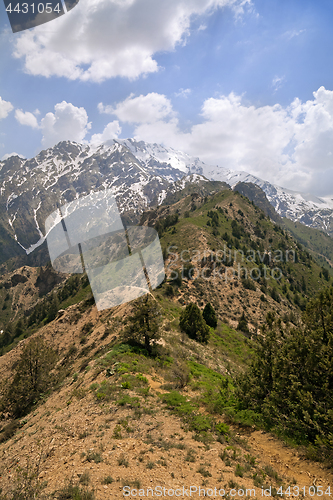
(138, 173)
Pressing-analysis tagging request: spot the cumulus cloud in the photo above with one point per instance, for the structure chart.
(110, 132)
(143, 109)
(101, 39)
(26, 118)
(67, 123)
(5, 108)
(290, 146)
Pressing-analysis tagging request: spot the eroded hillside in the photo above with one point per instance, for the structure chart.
(115, 415)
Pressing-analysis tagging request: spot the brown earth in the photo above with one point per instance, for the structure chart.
(73, 435)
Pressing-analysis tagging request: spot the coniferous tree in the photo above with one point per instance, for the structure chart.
(290, 380)
(144, 324)
(192, 323)
(242, 324)
(209, 315)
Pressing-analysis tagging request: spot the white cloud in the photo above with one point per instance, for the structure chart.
(5, 108)
(26, 118)
(101, 39)
(183, 93)
(290, 146)
(277, 82)
(292, 34)
(111, 131)
(143, 109)
(67, 123)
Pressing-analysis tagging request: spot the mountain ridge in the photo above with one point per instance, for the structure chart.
(138, 174)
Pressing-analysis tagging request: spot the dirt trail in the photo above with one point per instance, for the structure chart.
(288, 462)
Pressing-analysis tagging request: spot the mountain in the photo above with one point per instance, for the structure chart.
(107, 414)
(299, 207)
(138, 174)
(30, 190)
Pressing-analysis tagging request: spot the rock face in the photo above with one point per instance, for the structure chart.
(259, 198)
(139, 175)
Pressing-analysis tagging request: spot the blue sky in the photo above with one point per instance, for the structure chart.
(242, 84)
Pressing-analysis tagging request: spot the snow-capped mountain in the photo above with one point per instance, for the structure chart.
(301, 207)
(139, 175)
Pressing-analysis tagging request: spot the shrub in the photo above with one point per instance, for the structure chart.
(192, 323)
(191, 455)
(169, 291)
(249, 284)
(181, 373)
(204, 472)
(122, 460)
(93, 456)
(209, 315)
(107, 480)
(32, 377)
(242, 324)
(9, 430)
(73, 492)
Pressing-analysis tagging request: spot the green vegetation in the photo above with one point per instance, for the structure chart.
(144, 324)
(316, 241)
(242, 324)
(192, 323)
(209, 315)
(32, 378)
(75, 289)
(279, 379)
(290, 380)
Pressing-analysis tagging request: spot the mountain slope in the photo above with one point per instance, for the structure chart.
(138, 174)
(32, 189)
(119, 417)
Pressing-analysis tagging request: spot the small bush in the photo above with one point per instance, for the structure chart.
(239, 472)
(107, 480)
(204, 472)
(84, 479)
(191, 455)
(73, 492)
(93, 456)
(122, 460)
(222, 428)
(9, 430)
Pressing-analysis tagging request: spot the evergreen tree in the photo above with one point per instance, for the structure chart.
(53, 309)
(209, 315)
(290, 380)
(192, 323)
(144, 323)
(242, 324)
